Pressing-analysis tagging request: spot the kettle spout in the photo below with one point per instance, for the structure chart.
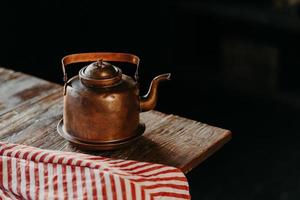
(148, 102)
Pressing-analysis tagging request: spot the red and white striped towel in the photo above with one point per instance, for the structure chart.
(32, 173)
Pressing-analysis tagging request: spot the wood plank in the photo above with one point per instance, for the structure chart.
(168, 139)
(18, 88)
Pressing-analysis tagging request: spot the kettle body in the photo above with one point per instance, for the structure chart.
(107, 114)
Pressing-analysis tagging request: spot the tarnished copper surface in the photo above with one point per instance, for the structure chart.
(102, 105)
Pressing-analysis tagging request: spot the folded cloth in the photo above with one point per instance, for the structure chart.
(32, 173)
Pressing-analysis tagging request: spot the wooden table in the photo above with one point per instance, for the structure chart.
(30, 109)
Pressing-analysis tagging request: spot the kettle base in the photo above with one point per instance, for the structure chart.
(99, 146)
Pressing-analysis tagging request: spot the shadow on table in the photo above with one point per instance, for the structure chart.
(143, 149)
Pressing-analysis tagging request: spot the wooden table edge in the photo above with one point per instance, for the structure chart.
(208, 152)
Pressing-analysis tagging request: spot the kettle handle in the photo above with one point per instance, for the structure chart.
(91, 57)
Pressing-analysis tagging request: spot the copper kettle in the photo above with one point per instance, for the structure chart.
(102, 105)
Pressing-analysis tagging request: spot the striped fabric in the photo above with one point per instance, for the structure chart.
(32, 173)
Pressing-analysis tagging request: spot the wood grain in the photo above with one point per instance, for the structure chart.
(17, 88)
(32, 108)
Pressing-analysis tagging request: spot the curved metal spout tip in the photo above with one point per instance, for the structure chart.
(166, 76)
(169, 76)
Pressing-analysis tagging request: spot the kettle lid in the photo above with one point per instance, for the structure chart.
(101, 74)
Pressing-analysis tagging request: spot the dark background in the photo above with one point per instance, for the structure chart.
(234, 65)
